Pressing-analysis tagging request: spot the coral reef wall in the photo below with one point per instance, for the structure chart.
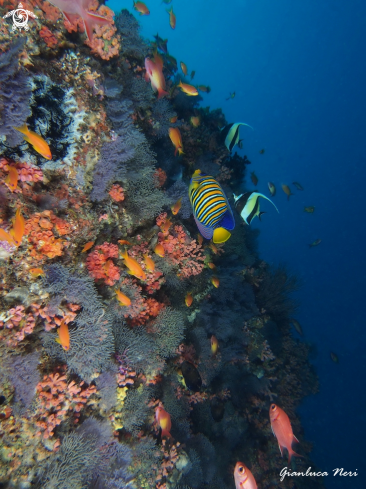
(108, 310)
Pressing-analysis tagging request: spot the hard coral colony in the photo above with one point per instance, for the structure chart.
(99, 250)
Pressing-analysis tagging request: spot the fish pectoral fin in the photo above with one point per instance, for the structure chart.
(295, 439)
(281, 450)
(259, 215)
(220, 235)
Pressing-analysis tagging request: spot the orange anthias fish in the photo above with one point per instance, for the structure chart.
(172, 18)
(176, 139)
(36, 272)
(165, 227)
(195, 121)
(214, 345)
(154, 73)
(213, 248)
(188, 89)
(244, 479)
(211, 265)
(176, 207)
(4, 236)
(287, 191)
(188, 300)
(215, 282)
(87, 246)
(159, 250)
(200, 239)
(183, 67)
(37, 141)
(133, 266)
(254, 178)
(204, 88)
(141, 7)
(11, 180)
(150, 265)
(17, 231)
(281, 427)
(124, 242)
(122, 298)
(164, 421)
(63, 336)
(173, 119)
(79, 8)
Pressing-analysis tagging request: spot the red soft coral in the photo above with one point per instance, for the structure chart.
(100, 266)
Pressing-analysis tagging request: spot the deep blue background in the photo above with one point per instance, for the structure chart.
(298, 70)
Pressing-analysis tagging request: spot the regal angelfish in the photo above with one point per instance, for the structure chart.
(248, 205)
(211, 209)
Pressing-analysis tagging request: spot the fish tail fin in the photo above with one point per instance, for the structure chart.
(124, 254)
(90, 20)
(220, 235)
(165, 433)
(291, 454)
(23, 128)
(180, 151)
(162, 93)
(169, 10)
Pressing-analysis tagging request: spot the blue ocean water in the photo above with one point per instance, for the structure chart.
(298, 72)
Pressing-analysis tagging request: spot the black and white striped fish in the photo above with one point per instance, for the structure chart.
(248, 205)
(230, 133)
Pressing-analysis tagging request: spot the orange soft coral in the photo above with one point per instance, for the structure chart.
(100, 265)
(48, 37)
(57, 398)
(105, 42)
(40, 228)
(116, 193)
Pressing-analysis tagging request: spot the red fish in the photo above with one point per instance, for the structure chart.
(87, 246)
(11, 180)
(176, 139)
(18, 229)
(122, 298)
(164, 421)
(150, 265)
(244, 479)
(141, 7)
(37, 141)
(172, 18)
(214, 345)
(189, 300)
(282, 429)
(79, 8)
(63, 336)
(159, 250)
(215, 282)
(134, 268)
(154, 73)
(176, 207)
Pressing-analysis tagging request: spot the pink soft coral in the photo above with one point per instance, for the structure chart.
(182, 251)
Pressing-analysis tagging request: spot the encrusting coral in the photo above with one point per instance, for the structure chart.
(108, 310)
